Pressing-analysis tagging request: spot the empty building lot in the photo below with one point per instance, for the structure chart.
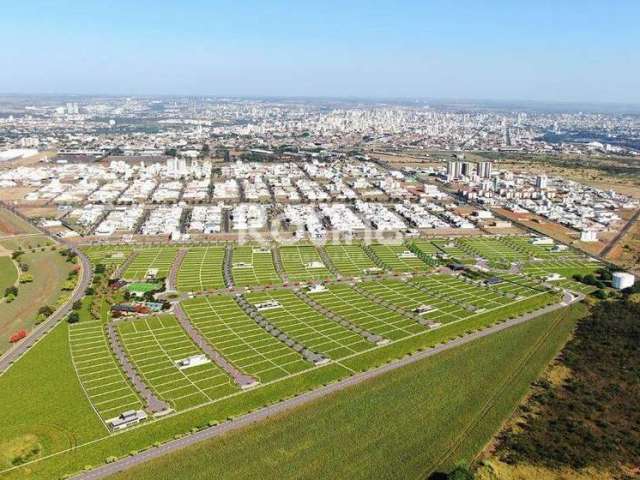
(303, 263)
(351, 260)
(358, 309)
(156, 345)
(151, 262)
(564, 267)
(101, 377)
(108, 255)
(201, 269)
(253, 266)
(309, 327)
(240, 340)
(398, 258)
(491, 249)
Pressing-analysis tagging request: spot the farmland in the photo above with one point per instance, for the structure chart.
(201, 269)
(253, 266)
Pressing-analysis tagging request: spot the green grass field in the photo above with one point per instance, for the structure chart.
(492, 249)
(8, 274)
(108, 255)
(154, 345)
(43, 405)
(160, 258)
(351, 260)
(201, 269)
(358, 309)
(240, 340)
(303, 263)
(398, 258)
(49, 270)
(308, 326)
(565, 267)
(305, 322)
(253, 266)
(405, 424)
(103, 381)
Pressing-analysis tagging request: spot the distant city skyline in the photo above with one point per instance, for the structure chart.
(573, 51)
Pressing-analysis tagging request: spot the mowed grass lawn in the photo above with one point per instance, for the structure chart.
(403, 425)
(43, 406)
(201, 269)
(8, 274)
(159, 258)
(49, 270)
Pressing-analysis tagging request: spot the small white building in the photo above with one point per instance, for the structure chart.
(588, 236)
(622, 280)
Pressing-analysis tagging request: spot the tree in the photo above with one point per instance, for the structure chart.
(45, 311)
(601, 294)
(11, 291)
(77, 305)
(73, 317)
(460, 473)
(15, 255)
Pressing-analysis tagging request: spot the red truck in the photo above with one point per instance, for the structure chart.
(16, 337)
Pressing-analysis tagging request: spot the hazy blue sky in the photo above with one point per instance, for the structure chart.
(532, 50)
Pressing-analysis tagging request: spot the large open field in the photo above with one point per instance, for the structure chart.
(406, 424)
(49, 270)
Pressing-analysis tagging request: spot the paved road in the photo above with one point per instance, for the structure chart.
(172, 279)
(86, 274)
(246, 420)
(244, 381)
(153, 403)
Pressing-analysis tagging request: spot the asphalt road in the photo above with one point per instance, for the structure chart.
(246, 420)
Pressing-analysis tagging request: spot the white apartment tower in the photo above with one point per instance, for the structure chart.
(484, 169)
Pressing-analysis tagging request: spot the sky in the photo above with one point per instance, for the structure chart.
(562, 50)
